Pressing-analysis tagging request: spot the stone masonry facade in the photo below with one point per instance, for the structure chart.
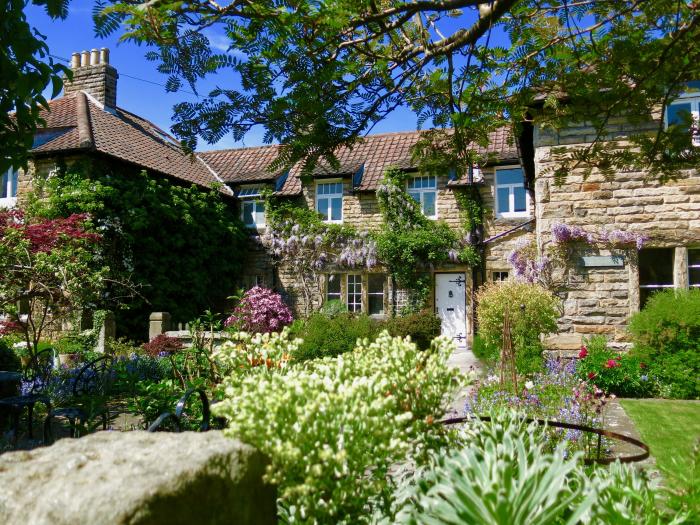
(599, 300)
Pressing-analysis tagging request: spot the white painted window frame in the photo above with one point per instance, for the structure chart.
(334, 296)
(330, 197)
(509, 214)
(354, 306)
(381, 294)
(11, 187)
(421, 193)
(692, 98)
(251, 197)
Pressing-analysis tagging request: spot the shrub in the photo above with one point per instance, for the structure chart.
(666, 336)
(260, 310)
(422, 327)
(533, 311)
(332, 428)
(325, 336)
(615, 373)
(506, 476)
(333, 308)
(162, 345)
(9, 360)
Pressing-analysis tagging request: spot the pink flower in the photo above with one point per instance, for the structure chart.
(583, 353)
(611, 363)
(260, 310)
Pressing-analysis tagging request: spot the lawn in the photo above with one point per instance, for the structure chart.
(670, 428)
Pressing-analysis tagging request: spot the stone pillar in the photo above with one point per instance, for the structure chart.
(158, 323)
(108, 330)
(680, 267)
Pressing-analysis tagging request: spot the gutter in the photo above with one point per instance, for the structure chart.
(503, 234)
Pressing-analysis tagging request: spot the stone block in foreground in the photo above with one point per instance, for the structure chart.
(111, 478)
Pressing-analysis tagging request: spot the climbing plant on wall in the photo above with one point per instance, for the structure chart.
(182, 246)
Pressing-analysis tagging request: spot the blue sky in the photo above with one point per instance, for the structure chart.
(148, 100)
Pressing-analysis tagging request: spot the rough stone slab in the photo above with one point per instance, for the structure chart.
(112, 478)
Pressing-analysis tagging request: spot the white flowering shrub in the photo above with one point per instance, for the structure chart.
(244, 351)
(333, 427)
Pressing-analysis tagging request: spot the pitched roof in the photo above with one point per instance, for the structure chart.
(373, 154)
(79, 122)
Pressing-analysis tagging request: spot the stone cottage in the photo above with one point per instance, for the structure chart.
(604, 282)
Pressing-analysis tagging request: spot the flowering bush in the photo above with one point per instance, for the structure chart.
(563, 233)
(528, 266)
(533, 311)
(260, 310)
(333, 427)
(615, 373)
(554, 394)
(162, 346)
(244, 351)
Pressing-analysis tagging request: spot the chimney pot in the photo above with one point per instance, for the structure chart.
(93, 75)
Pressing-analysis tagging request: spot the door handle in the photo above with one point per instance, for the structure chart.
(450, 309)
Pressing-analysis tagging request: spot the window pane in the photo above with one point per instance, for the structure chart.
(430, 182)
(677, 114)
(520, 200)
(322, 207)
(414, 183)
(260, 213)
(333, 287)
(502, 203)
(3, 191)
(429, 203)
(510, 176)
(336, 209)
(693, 257)
(248, 212)
(376, 283)
(415, 195)
(694, 277)
(354, 293)
(656, 267)
(376, 304)
(14, 178)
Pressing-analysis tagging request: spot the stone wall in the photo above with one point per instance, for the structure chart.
(600, 300)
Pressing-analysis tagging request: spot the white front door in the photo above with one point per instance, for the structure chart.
(451, 305)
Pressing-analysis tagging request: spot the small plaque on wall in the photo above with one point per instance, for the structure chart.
(603, 261)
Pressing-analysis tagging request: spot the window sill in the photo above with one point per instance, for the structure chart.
(9, 202)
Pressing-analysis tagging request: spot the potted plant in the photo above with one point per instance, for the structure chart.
(69, 348)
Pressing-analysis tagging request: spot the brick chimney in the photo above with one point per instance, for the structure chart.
(93, 74)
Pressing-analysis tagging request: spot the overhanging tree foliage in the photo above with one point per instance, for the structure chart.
(26, 69)
(317, 74)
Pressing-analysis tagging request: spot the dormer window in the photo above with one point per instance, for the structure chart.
(512, 199)
(685, 112)
(252, 206)
(424, 190)
(8, 188)
(329, 200)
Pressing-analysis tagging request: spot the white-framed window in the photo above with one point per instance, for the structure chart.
(423, 189)
(252, 207)
(329, 200)
(694, 267)
(8, 188)
(512, 199)
(354, 292)
(498, 276)
(376, 283)
(655, 272)
(333, 290)
(685, 111)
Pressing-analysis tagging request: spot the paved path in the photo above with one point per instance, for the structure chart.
(466, 361)
(617, 420)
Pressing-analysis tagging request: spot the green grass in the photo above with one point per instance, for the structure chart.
(670, 428)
